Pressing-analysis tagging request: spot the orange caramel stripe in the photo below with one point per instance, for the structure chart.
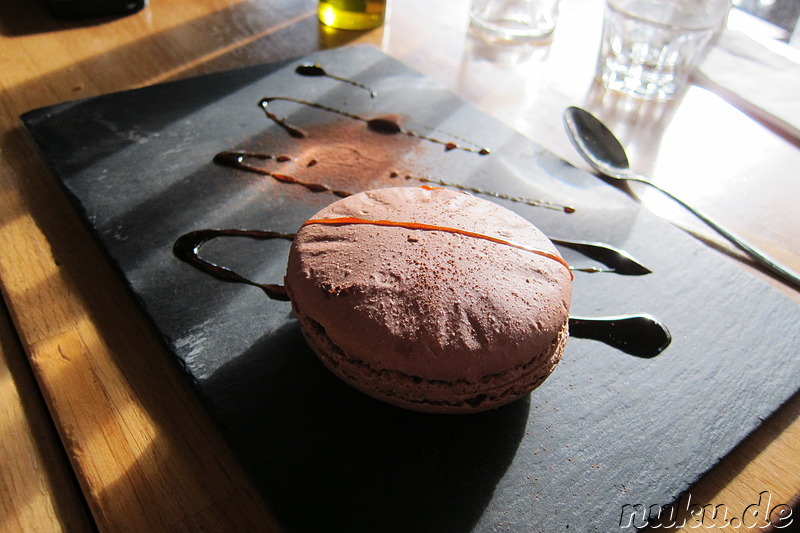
(431, 227)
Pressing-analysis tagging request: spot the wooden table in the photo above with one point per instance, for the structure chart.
(99, 426)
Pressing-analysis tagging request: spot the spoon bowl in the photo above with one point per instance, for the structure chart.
(596, 143)
(603, 151)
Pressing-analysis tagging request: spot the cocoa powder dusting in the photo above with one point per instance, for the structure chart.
(343, 156)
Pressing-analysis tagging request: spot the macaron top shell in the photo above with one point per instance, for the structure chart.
(433, 304)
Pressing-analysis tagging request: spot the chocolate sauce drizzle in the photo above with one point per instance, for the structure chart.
(618, 261)
(243, 161)
(384, 125)
(640, 335)
(187, 249)
(518, 199)
(315, 70)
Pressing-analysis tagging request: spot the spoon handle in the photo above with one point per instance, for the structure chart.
(757, 255)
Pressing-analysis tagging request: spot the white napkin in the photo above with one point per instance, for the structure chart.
(760, 79)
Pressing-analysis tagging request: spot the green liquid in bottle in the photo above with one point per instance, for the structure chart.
(352, 14)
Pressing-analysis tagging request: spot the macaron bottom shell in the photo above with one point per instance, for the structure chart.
(415, 393)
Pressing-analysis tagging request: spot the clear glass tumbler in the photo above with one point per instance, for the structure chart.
(650, 47)
(513, 20)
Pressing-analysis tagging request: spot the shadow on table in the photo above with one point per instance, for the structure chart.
(329, 458)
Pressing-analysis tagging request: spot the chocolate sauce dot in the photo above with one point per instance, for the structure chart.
(310, 70)
(384, 125)
(316, 71)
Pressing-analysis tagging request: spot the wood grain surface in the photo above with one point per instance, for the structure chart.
(136, 438)
(39, 491)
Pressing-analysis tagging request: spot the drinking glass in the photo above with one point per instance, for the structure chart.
(513, 21)
(650, 47)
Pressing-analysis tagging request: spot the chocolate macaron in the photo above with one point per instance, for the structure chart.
(430, 299)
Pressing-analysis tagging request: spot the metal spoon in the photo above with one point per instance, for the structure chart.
(603, 151)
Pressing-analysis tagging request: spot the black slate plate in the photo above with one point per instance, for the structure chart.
(604, 431)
